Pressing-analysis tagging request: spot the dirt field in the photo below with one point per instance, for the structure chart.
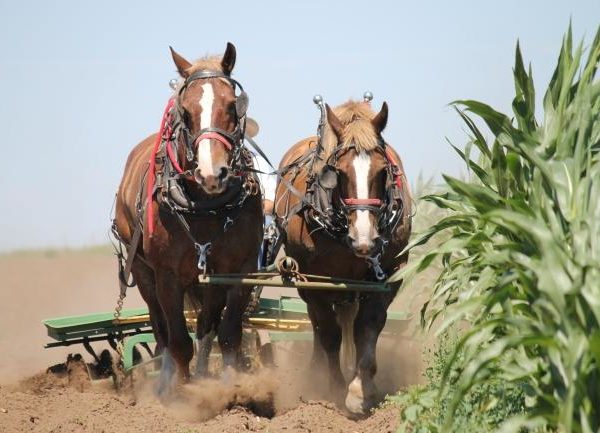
(38, 285)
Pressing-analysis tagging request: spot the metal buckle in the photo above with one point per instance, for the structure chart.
(228, 223)
(203, 250)
(375, 264)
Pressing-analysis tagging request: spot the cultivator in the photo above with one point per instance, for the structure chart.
(274, 320)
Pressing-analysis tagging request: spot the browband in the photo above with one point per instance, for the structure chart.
(203, 74)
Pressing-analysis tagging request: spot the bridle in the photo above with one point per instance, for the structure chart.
(175, 132)
(334, 219)
(388, 210)
(231, 140)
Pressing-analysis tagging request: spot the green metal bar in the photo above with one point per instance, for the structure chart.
(357, 286)
(130, 342)
(128, 345)
(71, 327)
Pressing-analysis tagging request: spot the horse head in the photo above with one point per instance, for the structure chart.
(211, 114)
(358, 169)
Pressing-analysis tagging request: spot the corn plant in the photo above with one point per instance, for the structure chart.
(521, 263)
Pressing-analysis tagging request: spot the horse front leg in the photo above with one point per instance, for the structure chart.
(368, 324)
(213, 301)
(230, 328)
(328, 338)
(179, 350)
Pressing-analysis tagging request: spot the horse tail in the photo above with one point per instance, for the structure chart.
(345, 314)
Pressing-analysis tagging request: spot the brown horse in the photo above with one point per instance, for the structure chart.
(344, 210)
(192, 190)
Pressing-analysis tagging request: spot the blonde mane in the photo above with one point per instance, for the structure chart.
(358, 130)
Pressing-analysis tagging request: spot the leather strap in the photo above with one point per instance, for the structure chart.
(362, 201)
(131, 253)
(213, 135)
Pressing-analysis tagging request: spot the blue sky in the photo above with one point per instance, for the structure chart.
(82, 82)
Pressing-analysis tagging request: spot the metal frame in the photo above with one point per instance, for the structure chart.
(276, 320)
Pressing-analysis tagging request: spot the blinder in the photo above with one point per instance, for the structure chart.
(328, 178)
(241, 104)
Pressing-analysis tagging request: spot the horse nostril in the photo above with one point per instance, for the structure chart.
(223, 173)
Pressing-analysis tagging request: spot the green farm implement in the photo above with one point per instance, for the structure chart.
(273, 320)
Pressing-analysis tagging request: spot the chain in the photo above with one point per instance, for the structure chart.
(119, 307)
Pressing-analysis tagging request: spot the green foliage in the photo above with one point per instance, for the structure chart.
(521, 264)
(482, 409)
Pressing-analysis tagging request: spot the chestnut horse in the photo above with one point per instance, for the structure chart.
(192, 190)
(344, 210)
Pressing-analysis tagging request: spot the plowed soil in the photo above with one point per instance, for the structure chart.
(38, 285)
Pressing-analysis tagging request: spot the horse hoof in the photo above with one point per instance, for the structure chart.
(359, 399)
(165, 386)
(355, 405)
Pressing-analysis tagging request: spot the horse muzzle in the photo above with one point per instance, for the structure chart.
(363, 248)
(211, 184)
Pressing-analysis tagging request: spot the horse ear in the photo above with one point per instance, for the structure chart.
(251, 127)
(334, 122)
(228, 61)
(380, 120)
(182, 64)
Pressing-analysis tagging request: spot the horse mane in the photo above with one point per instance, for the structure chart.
(358, 130)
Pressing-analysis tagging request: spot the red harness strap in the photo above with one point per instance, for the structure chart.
(215, 136)
(362, 201)
(151, 178)
(173, 158)
(375, 201)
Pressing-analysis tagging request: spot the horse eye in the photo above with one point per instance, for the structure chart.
(231, 109)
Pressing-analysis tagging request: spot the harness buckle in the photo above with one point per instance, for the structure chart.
(375, 264)
(228, 223)
(203, 250)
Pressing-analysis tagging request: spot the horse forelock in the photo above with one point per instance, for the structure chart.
(358, 130)
(207, 63)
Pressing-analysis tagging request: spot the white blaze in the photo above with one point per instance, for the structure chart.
(204, 155)
(362, 166)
